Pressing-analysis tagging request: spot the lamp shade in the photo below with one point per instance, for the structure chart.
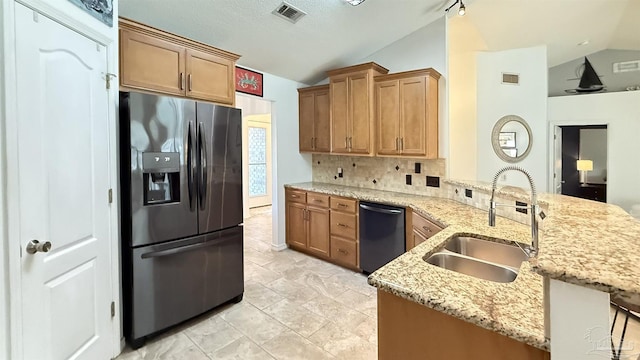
(585, 165)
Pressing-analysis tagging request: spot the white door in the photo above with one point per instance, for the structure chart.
(557, 159)
(259, 148)
(63, 173)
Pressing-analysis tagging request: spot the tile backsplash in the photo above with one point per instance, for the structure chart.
(390, 174)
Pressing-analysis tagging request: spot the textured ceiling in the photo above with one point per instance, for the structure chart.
(332, 34)
(560, 24)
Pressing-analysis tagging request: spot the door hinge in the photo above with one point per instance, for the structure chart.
(113, 309)
(110, 196)
(555, 136)
(21, 251)
(554, 175)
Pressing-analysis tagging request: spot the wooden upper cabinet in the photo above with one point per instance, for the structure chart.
(407, 114)
(210, 77)
(306, 118)
(387, 99)
(314, 130)
(352, 108)
(360, 114)
(149, 63)
(322, 125)
(153, 60)
(339, 95)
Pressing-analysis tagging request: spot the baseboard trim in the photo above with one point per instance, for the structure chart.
(278, 247)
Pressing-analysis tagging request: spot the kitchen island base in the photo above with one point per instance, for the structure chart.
(408, 330)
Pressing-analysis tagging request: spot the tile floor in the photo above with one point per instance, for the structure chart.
(295, 307)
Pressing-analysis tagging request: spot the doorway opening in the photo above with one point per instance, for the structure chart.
(581, 161)
(256, 152)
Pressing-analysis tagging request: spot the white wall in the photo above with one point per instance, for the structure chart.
(4, 272)
(464, 42)
(289, 166)
(593, 146)
(621, 112)
(527, 100)
(75, 16)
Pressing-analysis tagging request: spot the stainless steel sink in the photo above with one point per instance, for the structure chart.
(503, 254)
(475, 268)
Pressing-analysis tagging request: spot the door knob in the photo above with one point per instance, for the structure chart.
(35, 246)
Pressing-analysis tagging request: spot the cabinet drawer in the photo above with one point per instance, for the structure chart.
(344, 204)
(316, 199)
(418, 238)
(344, 251)
(344, 225)
(296, 196)
(424, 226)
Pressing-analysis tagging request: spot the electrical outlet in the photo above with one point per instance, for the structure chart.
(408, 179)
(522, 210)
(433, 181)
(468, 193)
(340, 173)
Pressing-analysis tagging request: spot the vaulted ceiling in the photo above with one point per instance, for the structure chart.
(334, 33)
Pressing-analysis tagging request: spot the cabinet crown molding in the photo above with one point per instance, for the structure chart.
(357, 68)
(313, 88)
(132, 25)
(401, 75)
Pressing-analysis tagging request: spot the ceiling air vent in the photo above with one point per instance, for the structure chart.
(288, 12)
(513, 79)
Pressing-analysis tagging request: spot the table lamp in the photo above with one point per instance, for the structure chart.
(584, 166)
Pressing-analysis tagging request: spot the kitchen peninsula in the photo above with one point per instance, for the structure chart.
(574, 244)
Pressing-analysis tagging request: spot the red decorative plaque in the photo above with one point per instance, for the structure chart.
(248, 82)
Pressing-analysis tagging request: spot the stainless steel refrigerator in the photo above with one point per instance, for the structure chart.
(181, 210)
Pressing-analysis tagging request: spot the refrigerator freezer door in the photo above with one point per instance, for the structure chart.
(220, 167)
(158, 147)
(175, 281)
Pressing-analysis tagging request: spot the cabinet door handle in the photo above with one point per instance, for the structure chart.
(342, 205)
(190, 82)
(294, 196)
(181, 81)
(346, 143)
(343, 251)
(401, 143)
(343, 225)
(305, 214)
(397, 143)
(317, 200)
(427, 229)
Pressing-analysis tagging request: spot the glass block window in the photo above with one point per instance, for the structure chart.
(257, 161)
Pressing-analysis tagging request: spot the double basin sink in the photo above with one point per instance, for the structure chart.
(480, 258)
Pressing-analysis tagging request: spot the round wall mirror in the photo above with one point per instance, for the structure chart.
(511, 138)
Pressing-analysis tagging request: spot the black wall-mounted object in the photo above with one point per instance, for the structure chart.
(522, 209)
(408, 179)
(468, 193)
(433, 181)
(417, 169)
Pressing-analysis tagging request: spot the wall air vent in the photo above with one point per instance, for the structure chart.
(513, 79)
(288, 12)
(626, 66)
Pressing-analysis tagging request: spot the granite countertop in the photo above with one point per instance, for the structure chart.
(512, 309)
(585, 243)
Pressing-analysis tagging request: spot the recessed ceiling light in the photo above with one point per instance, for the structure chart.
(585, 42)
(354, 2)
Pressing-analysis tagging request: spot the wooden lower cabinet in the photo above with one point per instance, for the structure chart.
(323, 226)
(318, 230)
(296, 224)
(419, 229)
(411, 331)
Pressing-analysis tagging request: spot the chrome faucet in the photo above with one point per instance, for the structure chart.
(532, 250)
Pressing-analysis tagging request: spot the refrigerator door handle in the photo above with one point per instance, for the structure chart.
(202, 193)
(190, 177)
(182, 249)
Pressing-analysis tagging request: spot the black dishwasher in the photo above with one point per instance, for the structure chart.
(382, 235)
